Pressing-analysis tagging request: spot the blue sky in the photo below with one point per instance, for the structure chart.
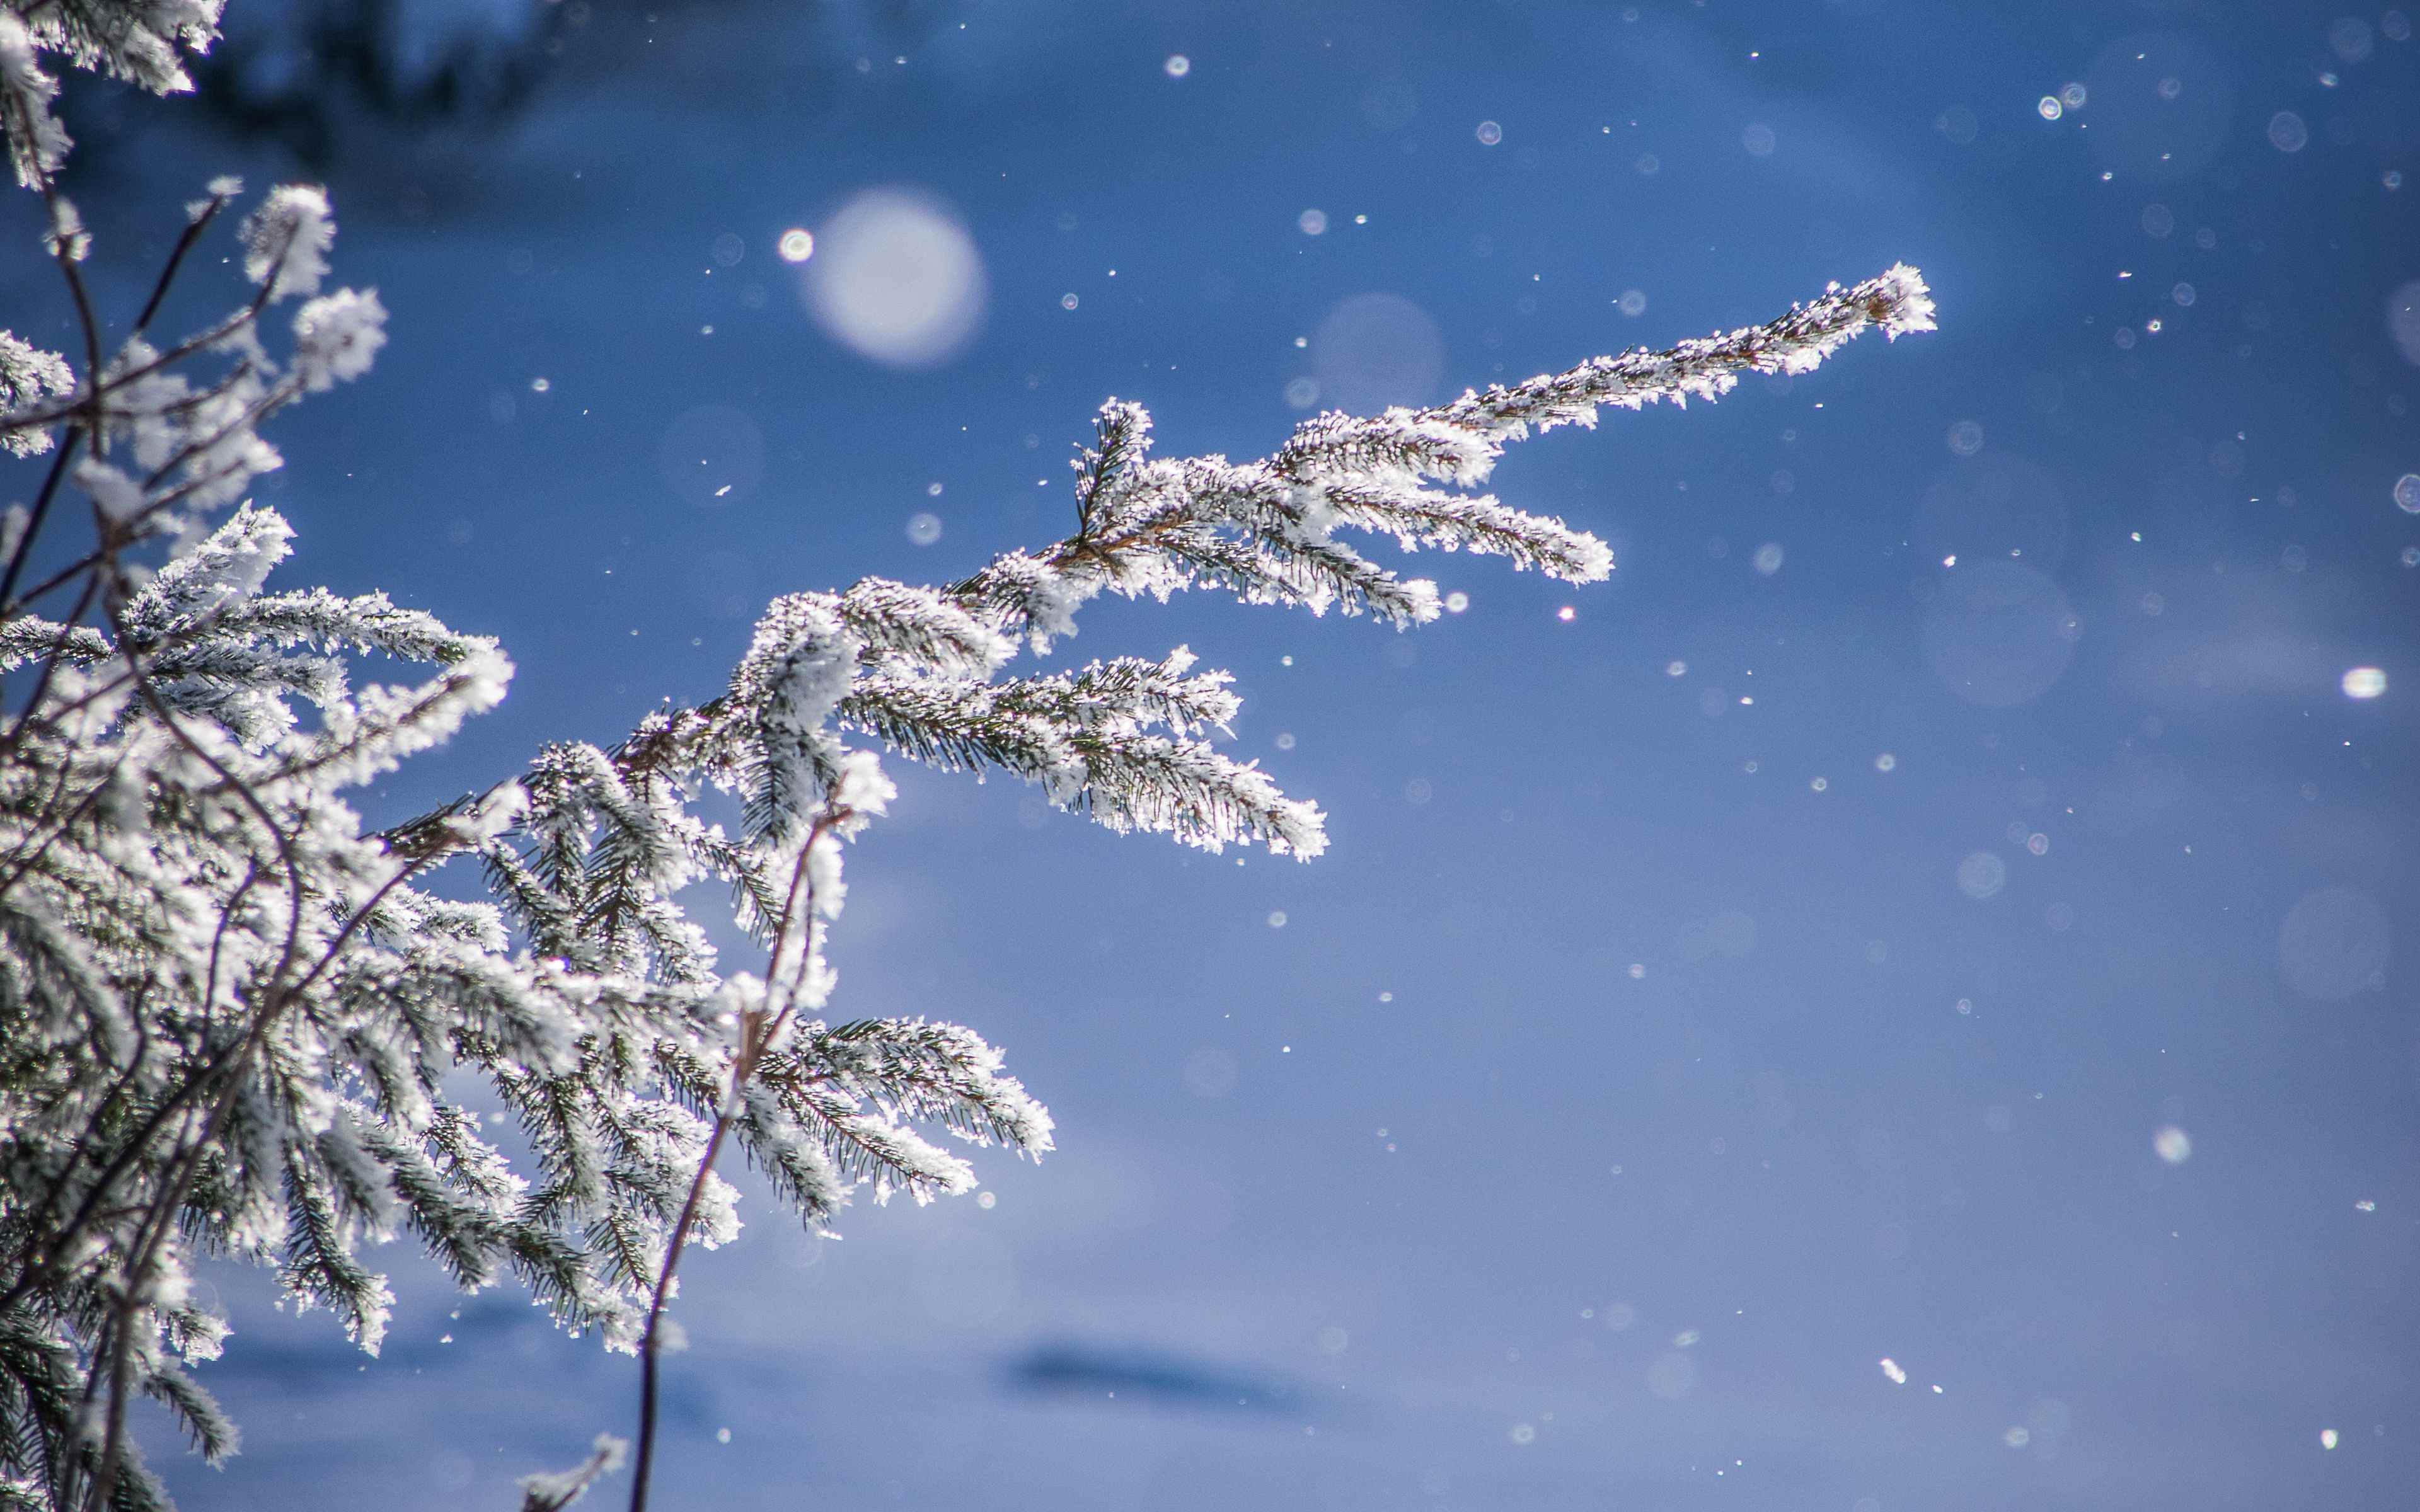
(1758, 975)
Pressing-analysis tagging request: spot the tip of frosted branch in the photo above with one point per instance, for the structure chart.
(1591, 560)
(1899, 303)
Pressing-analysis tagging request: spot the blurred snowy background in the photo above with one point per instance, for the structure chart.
(1902, 1000)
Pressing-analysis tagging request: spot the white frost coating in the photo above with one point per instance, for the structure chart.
(28, 376)
(113, 492)
(231, 565)
(138, 40)
(287, 240)
(554, 1491)
(823, 874)
(336, 336)
(36, 141)
(496, 813)
(863, 789)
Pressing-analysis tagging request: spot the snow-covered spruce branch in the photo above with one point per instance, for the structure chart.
(609, 839)
(229, 1018)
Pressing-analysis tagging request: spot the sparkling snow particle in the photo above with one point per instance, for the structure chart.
(2365, 1205)
(1524, 1433)
(2050, 107)
(1632, 305)
(1758, 140)
(2327, 1438)
(1177, 66)
(1967, 438)
(923, 527)
(2287, 134)
(1277, 918)
(1456, 602)
(2407, 493)
(1676, 669)
(1637, 971)
(1284, 740)
(1313, 222)
(1768, 558)
(1068, 302)
(1490, 133)
(1302, 393)
(2363, 682)
(1890, 1368)
(2173, 1144)
(1885, 763)
(986, 1200)
(796, 245)
(1567, 614)
(2017, 1438)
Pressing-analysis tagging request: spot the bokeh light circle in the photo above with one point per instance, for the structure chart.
(1377, 349)
(1999, 633)
(897, 279)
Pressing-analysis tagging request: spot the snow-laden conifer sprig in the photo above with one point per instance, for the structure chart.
(227, 1013)
(593, 875)
(234, 1024)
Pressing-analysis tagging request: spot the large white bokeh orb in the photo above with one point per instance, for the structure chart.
(896, 278)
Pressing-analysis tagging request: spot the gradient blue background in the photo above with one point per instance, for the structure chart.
(1404, 1228)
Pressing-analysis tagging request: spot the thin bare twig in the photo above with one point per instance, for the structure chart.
(758, 1030)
